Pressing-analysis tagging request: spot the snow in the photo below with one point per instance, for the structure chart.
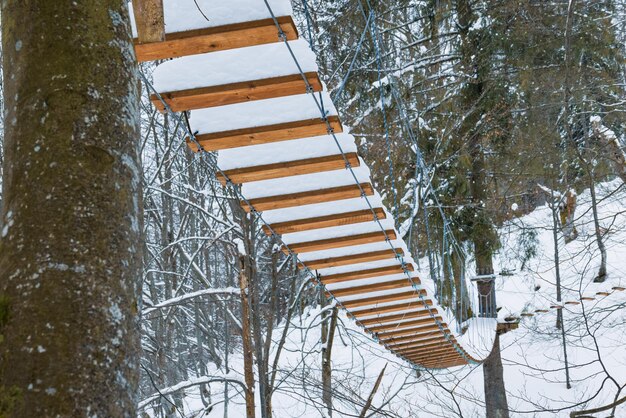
(233, 66)
(183, 15)
(297, 149)
(179, 299)
(258, 113)
(305, 182)
(532, 355)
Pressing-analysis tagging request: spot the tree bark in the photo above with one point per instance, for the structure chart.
(328, 336)
(495, 395)
(71, 225)
(482, 228)
(248, 360)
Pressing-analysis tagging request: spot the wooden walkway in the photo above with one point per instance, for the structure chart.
(249, 102)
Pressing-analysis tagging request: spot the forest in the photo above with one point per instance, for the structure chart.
(177, 239)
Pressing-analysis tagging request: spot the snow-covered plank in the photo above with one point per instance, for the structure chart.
(386, 319)
(361, 274)
(408, 286)
(352, 250)
(342, 241)
(260, 113)
(403, 324)
(200, 26)
(408, 331)
(244, 91)
(264, 134)
(408, 348)
(219, 38)
(288, 168)
(307, 197)
(374, 287)
(324, 209)
(392, 297)
(186, 15)
(305, 183)
(377, 310)
(338, 231)
(233, 66)
(327, 221)
(327, 272)
(418, 343)
(235, 76)
(354, 258)
(297, 149)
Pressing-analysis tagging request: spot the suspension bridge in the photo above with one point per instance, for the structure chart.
(254, 95)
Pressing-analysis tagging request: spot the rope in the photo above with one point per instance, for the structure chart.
(400, 257)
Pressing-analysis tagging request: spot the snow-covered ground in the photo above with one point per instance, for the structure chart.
(532, 355)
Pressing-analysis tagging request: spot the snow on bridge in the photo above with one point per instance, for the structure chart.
(257, 99)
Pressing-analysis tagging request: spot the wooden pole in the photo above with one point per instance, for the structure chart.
(149, 20)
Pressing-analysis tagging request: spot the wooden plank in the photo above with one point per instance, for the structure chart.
(445, 365)
(412, 336)
(232, 93)
(397, 317)
(364, 274)
(351, 304)
(433, 355)
(409, 331)
(430, 348)
(288, 168)
(265, 134)
(307, 198)
(413, 347)
(402, 325)
(374, 287)
(217, 38)
(390, 308)
(437, 338)
(339, 242)
(339, 219)
(439, 361)
(149, 20)
(353, 259)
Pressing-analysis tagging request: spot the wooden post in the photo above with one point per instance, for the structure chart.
(149, 20)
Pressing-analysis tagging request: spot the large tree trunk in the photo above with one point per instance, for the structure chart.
(71, 234)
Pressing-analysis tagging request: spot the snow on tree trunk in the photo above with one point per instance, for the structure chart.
(71, 226)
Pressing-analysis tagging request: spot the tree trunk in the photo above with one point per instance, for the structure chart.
(246, 339)
(482, 228)
(328, 335)
(495, 395)
(71, 233)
